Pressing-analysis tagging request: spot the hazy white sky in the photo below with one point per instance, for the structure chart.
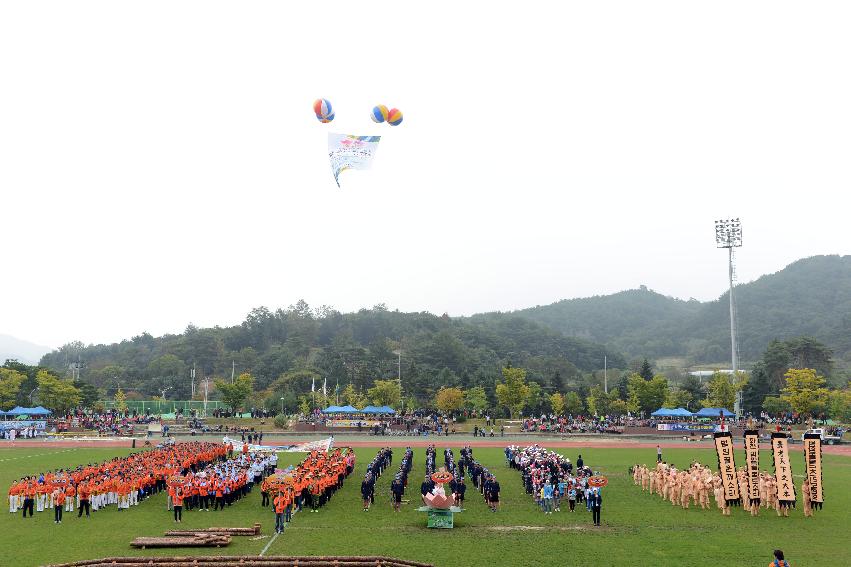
(160, 163)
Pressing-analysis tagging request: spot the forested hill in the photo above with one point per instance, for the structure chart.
(809, 297)
(346, 348)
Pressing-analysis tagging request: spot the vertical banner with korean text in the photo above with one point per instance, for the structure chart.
(783, 469)
(727, 466)
(812, 464)
(752, 464)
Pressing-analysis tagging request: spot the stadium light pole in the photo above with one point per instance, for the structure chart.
(728, 234)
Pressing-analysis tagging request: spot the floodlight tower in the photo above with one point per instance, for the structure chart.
(728, 234)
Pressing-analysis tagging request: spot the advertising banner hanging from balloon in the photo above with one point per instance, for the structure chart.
(350, 152)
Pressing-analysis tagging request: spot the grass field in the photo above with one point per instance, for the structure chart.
(637, 529)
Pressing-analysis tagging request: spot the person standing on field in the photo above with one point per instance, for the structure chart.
(596, 505)
(58, 503)
(280, 504)
(177, 500)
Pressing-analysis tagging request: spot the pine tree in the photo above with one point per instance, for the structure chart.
(646, 371)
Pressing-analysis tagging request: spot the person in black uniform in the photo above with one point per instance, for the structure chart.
(367, 490)
(458, 491)
(492, 495)
(596, 505)
(426, 487)
(397, 489)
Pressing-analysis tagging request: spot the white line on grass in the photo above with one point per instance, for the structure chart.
(39, 455)
(265, 549)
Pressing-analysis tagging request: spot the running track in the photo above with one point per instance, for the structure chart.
(455, 441)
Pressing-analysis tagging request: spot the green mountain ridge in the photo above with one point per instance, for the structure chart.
(357, 348)
(811, 296)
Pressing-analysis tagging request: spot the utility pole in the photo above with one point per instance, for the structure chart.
(605, 374)
(193, 380)
(206, 391)
(232, 370)
(399, 373)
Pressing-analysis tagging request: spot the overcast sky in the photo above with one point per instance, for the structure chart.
(160, 163)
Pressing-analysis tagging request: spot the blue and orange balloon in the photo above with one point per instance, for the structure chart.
(379, 113)
(394, 117)
(323, 110)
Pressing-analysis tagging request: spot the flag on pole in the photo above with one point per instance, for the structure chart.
(325, 387)
(313, 384)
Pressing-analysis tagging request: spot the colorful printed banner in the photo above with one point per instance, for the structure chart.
(708, 427)
(364, 423)
(350, 152)
(752, 464)
(812, 464)
(727, 466)
(22, 424)
(783, 469)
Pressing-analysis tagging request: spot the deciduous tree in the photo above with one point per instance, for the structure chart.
(10, 384)
(385, 393)
(573, 404)
(513, 392)
(476, 399)
(234, 395)
(449, 400)
(56, 394)
(805, 392)
(557, 403)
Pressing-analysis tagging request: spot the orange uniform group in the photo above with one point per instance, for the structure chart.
(119, 481)
(313, 482)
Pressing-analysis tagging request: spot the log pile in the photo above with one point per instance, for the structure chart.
(248, 561)
(252, 531)
(193, 540)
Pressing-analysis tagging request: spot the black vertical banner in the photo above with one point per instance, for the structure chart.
(752, 465)
(812, 468)
(727, 466)
(783, 469)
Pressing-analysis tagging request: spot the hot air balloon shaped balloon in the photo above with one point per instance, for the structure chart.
(379, 113)
(326, 119)
(322, 108)
(394, 117)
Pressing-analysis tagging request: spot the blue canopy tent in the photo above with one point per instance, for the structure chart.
(681, 412)
(662, 412)
(371, 409)
(714, 412)
(332, 409)
(386, 409)
(349, 409)
(18, 411)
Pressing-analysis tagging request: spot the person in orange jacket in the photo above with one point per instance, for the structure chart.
(70, 494)
(29, 491)
(280, 504)
(178, 504)
(58, 503)
(84, 493)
